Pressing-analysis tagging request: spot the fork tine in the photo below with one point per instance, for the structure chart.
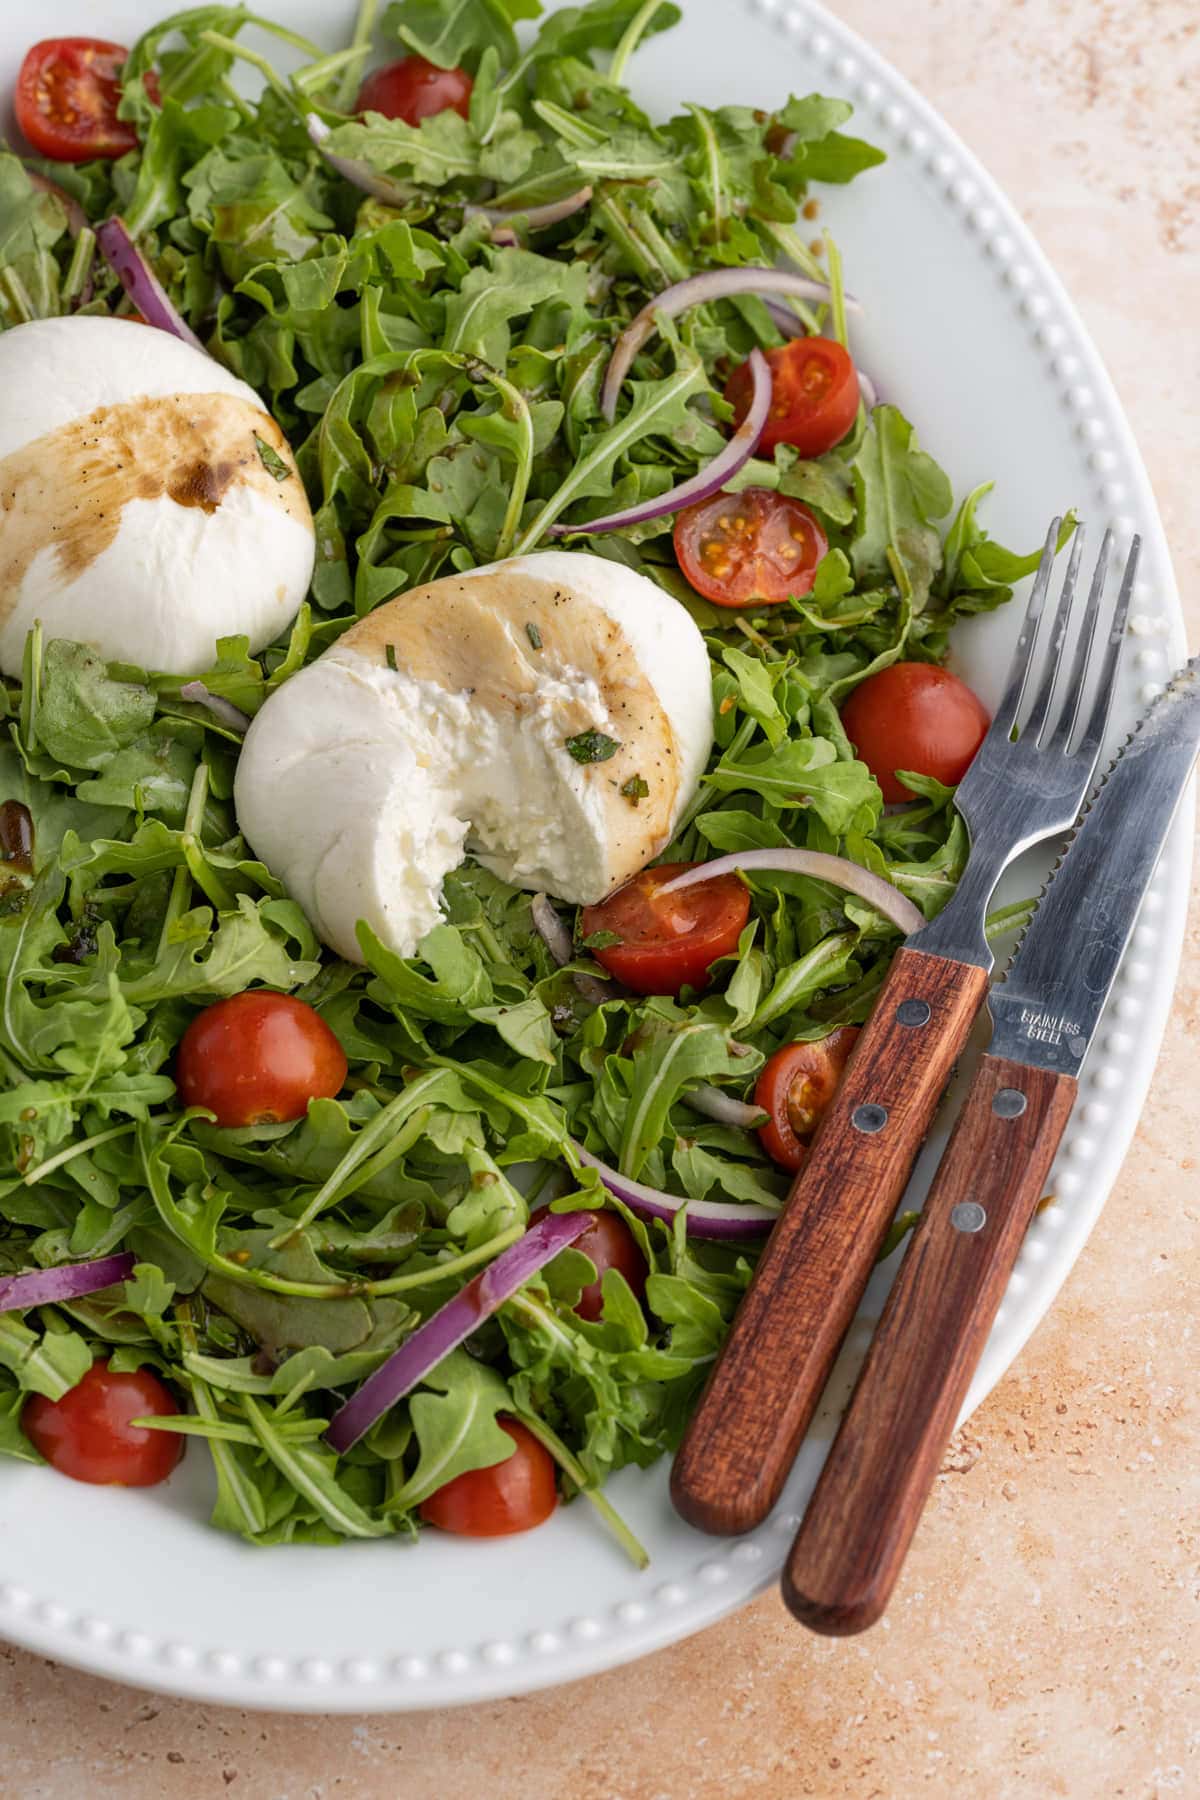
(1072, 710)
(1022, 656)
(1042, 699)
(1093, 736)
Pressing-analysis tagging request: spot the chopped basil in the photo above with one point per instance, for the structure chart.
(592, 747)
(389, 650)
(602, 940)
(271, 460)
(534, 636)
(635, 789)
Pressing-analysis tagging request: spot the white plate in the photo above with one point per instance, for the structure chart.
(969, 331)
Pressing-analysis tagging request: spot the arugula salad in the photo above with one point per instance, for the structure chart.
(488, 303)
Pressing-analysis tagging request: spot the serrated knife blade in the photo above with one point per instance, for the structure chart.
(1048, 1004)
(937, 1318)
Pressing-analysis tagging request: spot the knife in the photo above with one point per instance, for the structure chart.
(868, 1500)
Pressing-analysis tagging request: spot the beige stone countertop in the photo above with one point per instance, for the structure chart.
(1045, 1638)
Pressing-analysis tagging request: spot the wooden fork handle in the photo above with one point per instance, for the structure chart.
(764, 1388)
(868, 1500)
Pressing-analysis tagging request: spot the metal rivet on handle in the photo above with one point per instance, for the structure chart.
(1009, 1103)
(869, 1118)
(968, 1215)
(913, 1012)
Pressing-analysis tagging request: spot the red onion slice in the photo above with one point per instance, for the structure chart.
(224, 710)
(788, 323)
(867, 389)
(713, 1103)
(453, 1323)
(551, 929)
(70, 1281)
(557, 940)
(140, 282)
(838, 870)
(697, 290)
(394, 193)
(537, 218)
(711, 1219)
(709, 480)
(366, 180)
(597, 991)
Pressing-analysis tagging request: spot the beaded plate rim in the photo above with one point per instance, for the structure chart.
(729, 1574)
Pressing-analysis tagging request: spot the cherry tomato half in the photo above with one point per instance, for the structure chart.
(668, 941)
(67, 95)
(609, 1244)
(88, 1436)
(794, 1087)
(749, 549)
(513, 1495)
(258, 1058)
(814, 396)
(413, 89)
(915, 716)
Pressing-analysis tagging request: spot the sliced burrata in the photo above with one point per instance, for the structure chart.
(149, 504)
(550, 714)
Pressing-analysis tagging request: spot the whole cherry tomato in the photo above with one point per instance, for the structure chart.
(413, 89)
(88, 1435)
(514, 1495)
(915, 716)
(258, 1058)
(610, 1244)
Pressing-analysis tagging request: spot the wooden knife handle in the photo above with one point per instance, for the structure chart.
(864, 1511)
(764, 1388)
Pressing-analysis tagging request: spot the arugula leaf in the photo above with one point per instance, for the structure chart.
(311, 1471)
(83, 715)
(282, 1322)
(239, 1505)
(32, 222)
(669, 1058)
(491, 296)
(49, 1364)
(829, 964)
(756, 684)
(453, 32)
(900, 493)
(458, 981)
(13, 1441)
(837, 157)
(659, 408)
(599, 25)
(454, 1414)
(526, 1028)
(439, 150)
(804, 772)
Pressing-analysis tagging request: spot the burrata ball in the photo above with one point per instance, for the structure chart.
(149, 504)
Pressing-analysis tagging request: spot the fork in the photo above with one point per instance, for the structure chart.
(1026, 784)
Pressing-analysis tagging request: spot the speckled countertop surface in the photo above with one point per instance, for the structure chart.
(1045, 1640)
